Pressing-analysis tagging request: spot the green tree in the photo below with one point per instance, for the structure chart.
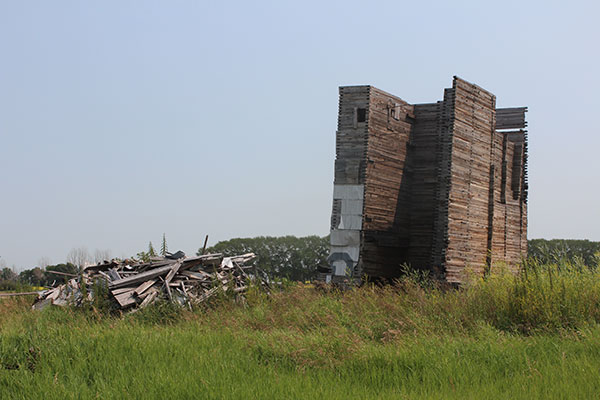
(286, 256)
(143, 256)
(151, 251)
(57, 279)
(146, 255)
(548, 251)
(8, 279)
(44, 277)
(33, 277)
(7, 274)
(163, 246)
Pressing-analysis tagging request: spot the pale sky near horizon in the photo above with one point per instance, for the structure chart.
(121, 120)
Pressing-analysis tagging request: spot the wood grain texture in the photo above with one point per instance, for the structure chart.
(445, 182)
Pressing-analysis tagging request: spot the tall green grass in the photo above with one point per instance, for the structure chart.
(531, 336)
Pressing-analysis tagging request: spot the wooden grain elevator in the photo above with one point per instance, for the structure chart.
(440, 186)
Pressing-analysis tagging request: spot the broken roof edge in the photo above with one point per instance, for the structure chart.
(513, 109)
(457, 78)
(511, 118)
(376, 89)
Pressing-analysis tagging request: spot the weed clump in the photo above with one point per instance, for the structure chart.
(415, 335)
(161, 312)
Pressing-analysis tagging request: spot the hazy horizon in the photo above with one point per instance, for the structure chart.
(121, 121)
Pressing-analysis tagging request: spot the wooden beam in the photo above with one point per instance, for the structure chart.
(139, 278)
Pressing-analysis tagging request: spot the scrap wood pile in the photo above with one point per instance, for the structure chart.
(133, 284)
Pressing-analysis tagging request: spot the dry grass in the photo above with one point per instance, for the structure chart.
(534, 336)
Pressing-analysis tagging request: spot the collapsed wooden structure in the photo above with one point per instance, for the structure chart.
(136, 284)
(440, 187)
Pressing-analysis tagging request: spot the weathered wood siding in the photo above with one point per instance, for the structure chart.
(440, 186)
(387, 196)
(514, 201)
(442, 195)
(424, 160)
(498, 203)
(389, 133)
(468, 209)
(349, 181)
(351, 136)
(509, 244)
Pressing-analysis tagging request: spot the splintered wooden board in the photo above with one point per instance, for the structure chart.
(126, 299)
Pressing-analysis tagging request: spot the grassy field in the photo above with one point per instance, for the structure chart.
(536, 336)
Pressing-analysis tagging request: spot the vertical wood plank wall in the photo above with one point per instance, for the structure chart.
(424, 160)
(468, 207)
(351, 136)
(444, 184)
(349, 180)
(386, 212)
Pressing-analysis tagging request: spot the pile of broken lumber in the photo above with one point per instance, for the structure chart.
(134, 284)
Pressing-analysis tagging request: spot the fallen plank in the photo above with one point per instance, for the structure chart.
(139, 278)
(126, 299)
(187, 297)
(144, 286)
(19, 294)
(168, 287)
(151, 295)
(104, 275)
(122, 290)
(113, 274)
(204, 247)
(240, 289)
(207, 259)
(40, 305)
(206, 295)
(60, 273)
(200, 275)
(54, 294)
(174, 269)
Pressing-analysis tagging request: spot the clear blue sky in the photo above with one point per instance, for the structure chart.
(121, 120)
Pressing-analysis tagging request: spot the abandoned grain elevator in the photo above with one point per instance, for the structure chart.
(439, 186)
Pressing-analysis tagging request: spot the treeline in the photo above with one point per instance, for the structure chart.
(37, 277)
(297, 258)
(556, 250)
(291, 257)
(45, 275)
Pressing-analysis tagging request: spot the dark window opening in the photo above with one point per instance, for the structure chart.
(504, 172)
(361, 114)
(516, 170)
(336, 214)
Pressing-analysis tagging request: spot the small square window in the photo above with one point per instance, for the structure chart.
(361, 114)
